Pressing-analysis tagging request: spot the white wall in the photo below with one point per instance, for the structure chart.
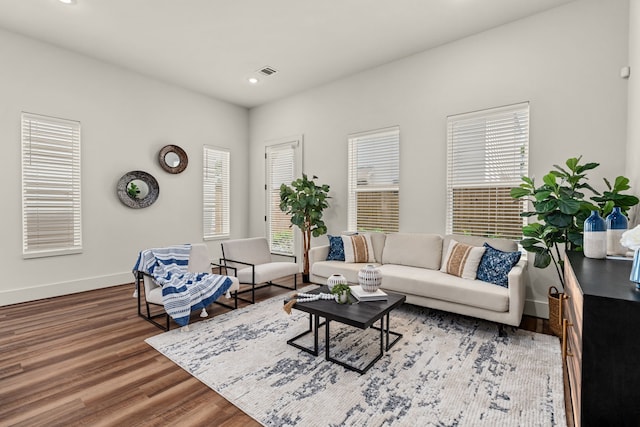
(565, 62)
(126, 118)
(633, 110)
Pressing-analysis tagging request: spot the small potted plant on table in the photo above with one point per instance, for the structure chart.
(342, 292)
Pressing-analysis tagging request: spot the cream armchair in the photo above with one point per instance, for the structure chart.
(254, 264)
(199, 262)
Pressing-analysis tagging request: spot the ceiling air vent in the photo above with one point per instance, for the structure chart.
(268, 71)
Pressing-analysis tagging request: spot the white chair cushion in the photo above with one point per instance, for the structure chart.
(153, 294)
(199, 261)
(254, 250)
(268, 272)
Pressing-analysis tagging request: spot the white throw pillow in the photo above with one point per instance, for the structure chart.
(358, 248)
(462, 260)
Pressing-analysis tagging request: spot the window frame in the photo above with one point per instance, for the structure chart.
(280, 145)
(388, 170)
(504, 146)
(209, 202)
(51, 162)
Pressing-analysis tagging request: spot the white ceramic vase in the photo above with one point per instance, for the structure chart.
(336, 279)
(635, 269)
(370, 278)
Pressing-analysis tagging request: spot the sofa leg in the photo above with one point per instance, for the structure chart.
(501, 332)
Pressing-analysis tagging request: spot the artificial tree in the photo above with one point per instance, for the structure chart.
(561, 208)
(305, 201)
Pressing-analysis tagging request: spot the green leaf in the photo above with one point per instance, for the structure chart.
(569, 206)
(621, 184)
(559, 219)
(541, 195)
(542, 260)
(549, 179)
(586, 167)
(518, 192)
(546, 206)
(572, 163)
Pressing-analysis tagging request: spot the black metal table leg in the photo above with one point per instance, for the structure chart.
(314, 326)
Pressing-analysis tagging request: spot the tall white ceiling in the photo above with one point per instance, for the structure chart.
(213, 46)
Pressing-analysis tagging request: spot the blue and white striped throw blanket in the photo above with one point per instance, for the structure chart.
(182, 291)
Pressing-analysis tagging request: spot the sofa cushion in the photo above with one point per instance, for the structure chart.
(505, 245)
(266, 272)
(336, 248)
(348, 270)
(413, 249)
(378, 239)
(462, 260)
(496, 265)
(445, 287)
(358, 248)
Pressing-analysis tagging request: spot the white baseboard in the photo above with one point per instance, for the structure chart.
(537, 308)
(15, 296)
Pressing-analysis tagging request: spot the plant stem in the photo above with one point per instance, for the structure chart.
(556, 263)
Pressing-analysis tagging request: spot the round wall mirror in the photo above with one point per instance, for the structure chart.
(173, 159)
(138, 189)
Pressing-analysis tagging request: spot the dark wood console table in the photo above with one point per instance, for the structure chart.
(601, 341)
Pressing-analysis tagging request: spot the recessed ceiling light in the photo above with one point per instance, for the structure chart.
(253, 80)
(67, 1)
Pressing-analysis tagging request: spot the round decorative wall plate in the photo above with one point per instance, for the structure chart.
(138, 189)
(173, 159)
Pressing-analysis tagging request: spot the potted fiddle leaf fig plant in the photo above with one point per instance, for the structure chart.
(305, 201)
(561, 208)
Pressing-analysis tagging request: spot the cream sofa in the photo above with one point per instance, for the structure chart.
(410, 264)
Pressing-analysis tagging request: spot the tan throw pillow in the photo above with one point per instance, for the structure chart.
(358, 248)
(462, 260)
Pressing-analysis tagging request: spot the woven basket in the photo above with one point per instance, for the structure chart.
(555, 322)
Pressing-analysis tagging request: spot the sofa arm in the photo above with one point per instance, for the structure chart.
(517, 288)
(318, 253)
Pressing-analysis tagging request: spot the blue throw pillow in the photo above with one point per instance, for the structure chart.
(495, 265)
(336, 248)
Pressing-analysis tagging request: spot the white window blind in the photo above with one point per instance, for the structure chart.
(215, 193)
(281, 169)
(487, 154)
(51, 208)
(374, 180)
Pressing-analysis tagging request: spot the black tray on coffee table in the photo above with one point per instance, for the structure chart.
(362, 315)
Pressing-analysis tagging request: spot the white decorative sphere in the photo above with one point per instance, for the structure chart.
(336, 279)
(370, 278)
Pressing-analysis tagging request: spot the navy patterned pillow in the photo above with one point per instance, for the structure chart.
(495, 265)
(336, 248)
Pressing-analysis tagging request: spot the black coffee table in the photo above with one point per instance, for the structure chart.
(362, 315)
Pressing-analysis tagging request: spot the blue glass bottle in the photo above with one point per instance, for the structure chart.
(617, 224)
(595, 236)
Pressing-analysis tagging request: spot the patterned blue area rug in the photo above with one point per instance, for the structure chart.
(447, 370)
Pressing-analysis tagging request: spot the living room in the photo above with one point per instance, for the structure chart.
(564, 61)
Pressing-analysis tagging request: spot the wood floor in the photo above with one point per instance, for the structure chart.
(81, 360)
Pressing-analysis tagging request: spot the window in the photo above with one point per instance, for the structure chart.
(51, 209)
(374, 181)
(487, 154)
(215, 193)
(282, 164)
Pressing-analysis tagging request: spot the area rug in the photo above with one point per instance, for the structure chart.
(447, 370)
